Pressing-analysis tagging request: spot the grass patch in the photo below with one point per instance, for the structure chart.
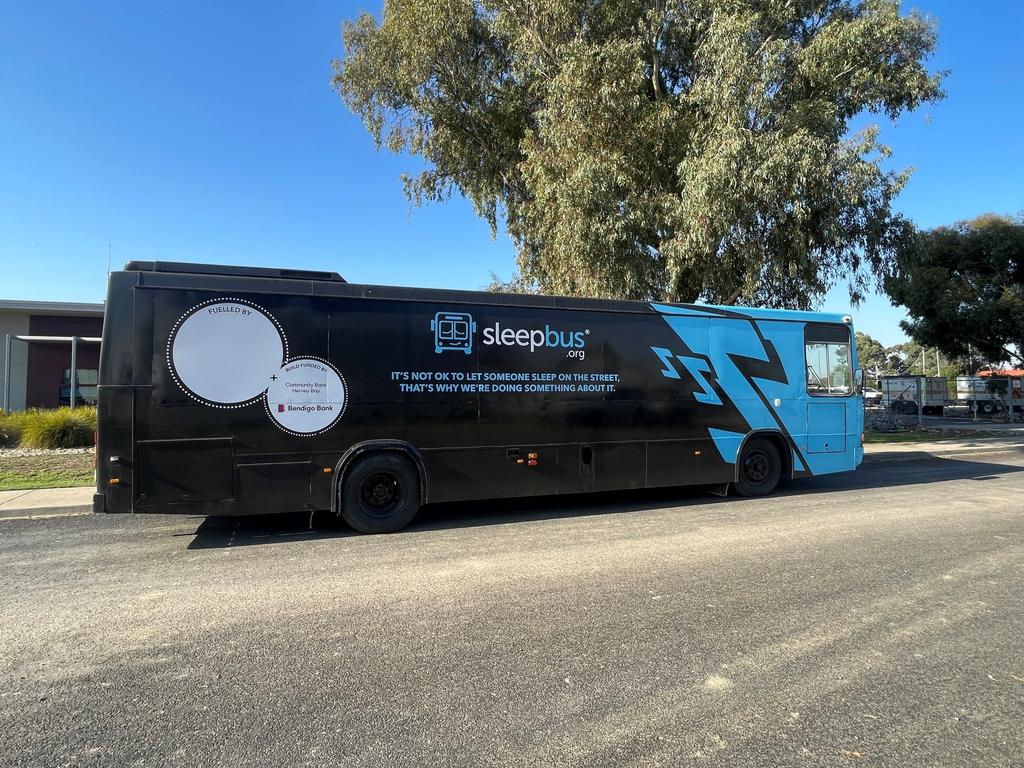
(63, 470)
(871, 438)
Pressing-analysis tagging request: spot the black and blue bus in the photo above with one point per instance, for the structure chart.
(246, 391)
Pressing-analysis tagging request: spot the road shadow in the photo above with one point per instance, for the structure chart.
(910, 471)
(222, 532)
(225, 532)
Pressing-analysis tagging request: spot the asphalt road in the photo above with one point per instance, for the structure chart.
(873, 619)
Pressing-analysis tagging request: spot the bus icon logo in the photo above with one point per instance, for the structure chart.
(453, 330)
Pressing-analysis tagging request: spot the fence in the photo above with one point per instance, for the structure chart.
(998, 400)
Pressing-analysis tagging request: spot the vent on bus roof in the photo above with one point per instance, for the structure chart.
(218, 269)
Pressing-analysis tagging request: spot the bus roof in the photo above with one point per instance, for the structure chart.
(755, 312)
(211, 276)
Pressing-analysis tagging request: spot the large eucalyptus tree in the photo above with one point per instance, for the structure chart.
(653, 149)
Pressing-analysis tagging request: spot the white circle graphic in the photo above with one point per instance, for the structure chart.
(225, 351)
(306, 396)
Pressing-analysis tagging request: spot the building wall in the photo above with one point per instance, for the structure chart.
(47, 361)
(15, 324)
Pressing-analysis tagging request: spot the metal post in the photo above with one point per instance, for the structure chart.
(7, 374)
(920, 398)
(938, 366)
(1009, 396)
(74, 368)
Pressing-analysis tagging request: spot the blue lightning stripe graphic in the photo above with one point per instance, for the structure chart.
(697, 368)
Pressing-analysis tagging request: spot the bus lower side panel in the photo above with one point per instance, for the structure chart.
(464, 474)
(206, 477)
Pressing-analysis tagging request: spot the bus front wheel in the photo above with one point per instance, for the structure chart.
(380, 493)
(760, 468)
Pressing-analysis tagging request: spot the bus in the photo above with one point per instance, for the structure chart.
(249, 391)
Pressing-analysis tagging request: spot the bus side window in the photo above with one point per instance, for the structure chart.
(827, 358)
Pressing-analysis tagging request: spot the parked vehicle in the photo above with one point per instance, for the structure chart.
(243, 391)
(872, 396)
(987, 395)
(900, 394)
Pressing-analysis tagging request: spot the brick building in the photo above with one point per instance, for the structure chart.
(36, 335)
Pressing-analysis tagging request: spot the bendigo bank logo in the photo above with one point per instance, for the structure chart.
(454, 331)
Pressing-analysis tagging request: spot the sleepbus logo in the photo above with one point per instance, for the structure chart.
(454, 331)
(534, 338)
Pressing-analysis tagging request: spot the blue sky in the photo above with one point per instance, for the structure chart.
(209, 132)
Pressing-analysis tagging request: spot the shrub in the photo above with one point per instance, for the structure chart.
(60, 428)
(11, 426)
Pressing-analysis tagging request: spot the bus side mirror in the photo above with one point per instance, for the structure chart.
(858, 381)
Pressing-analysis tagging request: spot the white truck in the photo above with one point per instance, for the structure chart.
(987, 395)
(900, 394)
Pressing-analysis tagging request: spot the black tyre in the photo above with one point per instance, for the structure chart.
(988, 407)
(760, 468)
(910, 409)
(380, 493)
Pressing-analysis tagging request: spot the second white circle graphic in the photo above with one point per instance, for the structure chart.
(307, 395)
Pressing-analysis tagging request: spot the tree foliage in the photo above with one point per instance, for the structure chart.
(517, 284)
(653, 150)
(963, 287)
(913, 358)
(872, 355)
(908, 359)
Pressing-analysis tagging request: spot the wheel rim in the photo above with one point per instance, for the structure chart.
(756, 467)
(381, 494)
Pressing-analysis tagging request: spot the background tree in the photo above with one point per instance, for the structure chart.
(963, 287)
(871, 355)
(654, 149)
(911, 358)
(907, 359)
(518, 284)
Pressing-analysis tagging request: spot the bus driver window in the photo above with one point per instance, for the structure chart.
(827, 357)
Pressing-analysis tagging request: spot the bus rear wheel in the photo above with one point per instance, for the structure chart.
(760, 468)
(380, 493)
